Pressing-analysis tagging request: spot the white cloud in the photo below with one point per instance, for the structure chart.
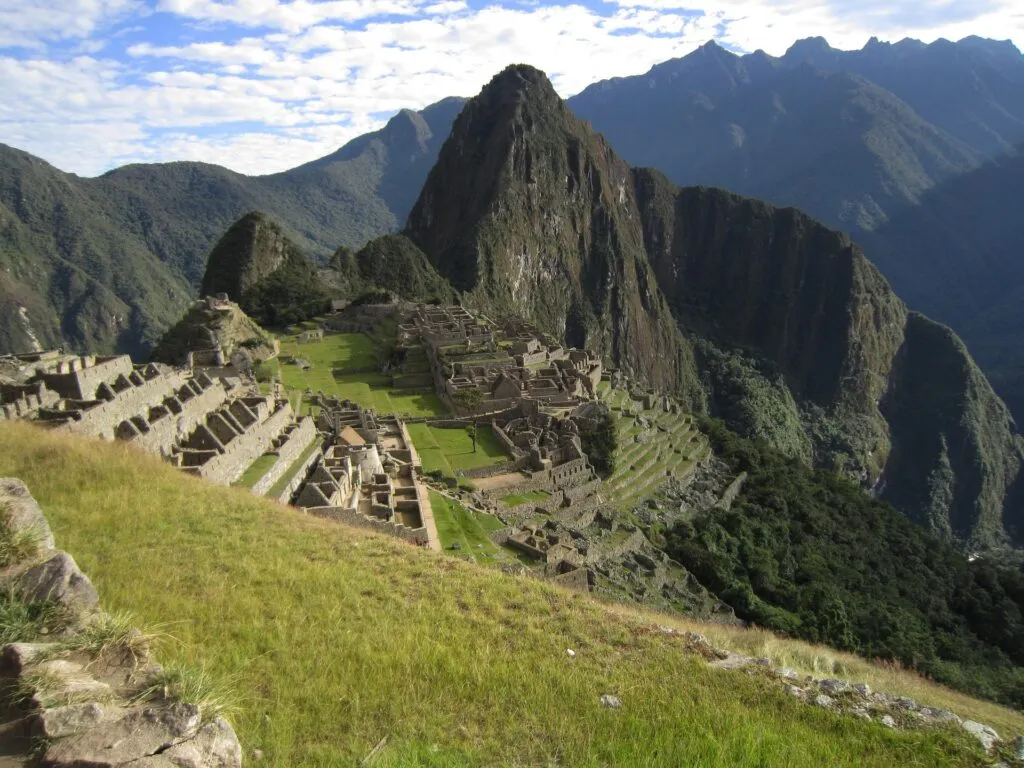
(305, 78)
(293, 16)
(32, 23)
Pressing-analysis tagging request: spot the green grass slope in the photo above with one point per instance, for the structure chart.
(337, 640)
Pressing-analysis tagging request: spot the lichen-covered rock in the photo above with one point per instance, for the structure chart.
(58, 579)
(985, 735)
(17, 657)
(142, 732)
(58, 722)
(825, 702)
(22, 511)
(835, 686)
(214, 746)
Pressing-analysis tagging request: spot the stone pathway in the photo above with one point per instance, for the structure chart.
(427, 516)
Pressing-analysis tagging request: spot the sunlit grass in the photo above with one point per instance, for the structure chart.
(335, 639)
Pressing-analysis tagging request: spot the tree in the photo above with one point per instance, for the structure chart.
(469, 399)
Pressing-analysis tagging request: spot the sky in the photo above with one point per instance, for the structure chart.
(261, 86)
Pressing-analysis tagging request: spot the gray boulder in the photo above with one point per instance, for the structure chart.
(23, 513)
(825, 702)
(141, 733)
(59, 722)
(16, 657)
(985, 735)
(58, 579)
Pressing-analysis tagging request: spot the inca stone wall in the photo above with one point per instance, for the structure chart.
(294, 444)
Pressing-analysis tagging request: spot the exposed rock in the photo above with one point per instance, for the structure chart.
(787, 673)
(16, 657)
(938, 715)
(792, 690)
(905, 702)
(827, 702)
(612, 702)
(23, 513)
(888, 721)
(835, 686)
(863, 689)
(59, 722)
(860, 712)
(985, 735)
(58, 579)
(140, 733)
(739, 661)
(213, 746)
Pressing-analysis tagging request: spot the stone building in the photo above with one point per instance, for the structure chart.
(369, 475)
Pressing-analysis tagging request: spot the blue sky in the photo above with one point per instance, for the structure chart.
(263, 85)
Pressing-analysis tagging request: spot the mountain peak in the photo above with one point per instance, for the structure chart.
(810, 46)
(516, 81)
(407, 128)
(252, 248)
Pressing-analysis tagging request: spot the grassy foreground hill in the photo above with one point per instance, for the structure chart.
(338, 641)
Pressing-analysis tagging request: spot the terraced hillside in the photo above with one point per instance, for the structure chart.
(669, 446)
(340, 643)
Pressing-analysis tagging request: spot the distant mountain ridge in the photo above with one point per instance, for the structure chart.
(112, 262)
(913, 148)
(787, 331)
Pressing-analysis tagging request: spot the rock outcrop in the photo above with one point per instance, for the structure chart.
(103, 708)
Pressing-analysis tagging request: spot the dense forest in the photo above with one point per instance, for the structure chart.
(809, 554)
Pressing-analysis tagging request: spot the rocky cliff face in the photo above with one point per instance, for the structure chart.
(799, 338)
(528, 212)
(886, 394)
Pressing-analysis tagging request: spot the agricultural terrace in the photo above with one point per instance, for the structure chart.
(669, 447)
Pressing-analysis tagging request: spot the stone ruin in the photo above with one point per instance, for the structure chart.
(369, 475)
(217, 427)
(214, 427)
(468, 352)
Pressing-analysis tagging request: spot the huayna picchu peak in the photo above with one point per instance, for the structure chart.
(528, 212)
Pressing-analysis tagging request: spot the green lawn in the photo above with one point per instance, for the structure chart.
(333, 360)
(337, 350)
(338, 640)
(257, 470)
(517, 499)
(455, 523)
(448, 450)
